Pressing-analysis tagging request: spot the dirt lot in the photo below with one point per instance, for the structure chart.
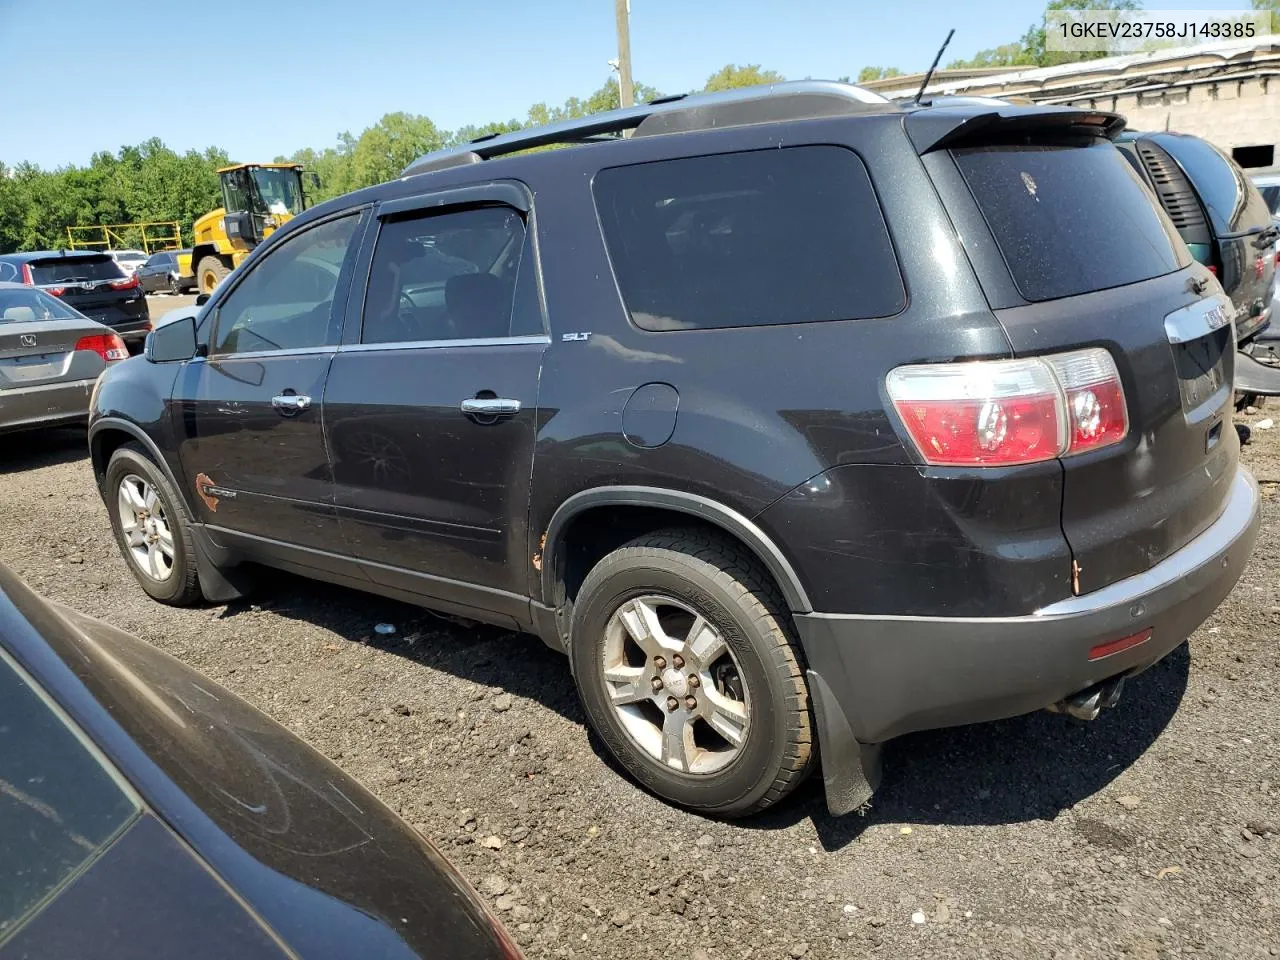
(1137, 835)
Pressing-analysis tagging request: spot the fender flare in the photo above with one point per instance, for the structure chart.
(704, 508)
(141, 435)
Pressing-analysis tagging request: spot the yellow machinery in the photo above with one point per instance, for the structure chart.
(159, 235)
(257, 198)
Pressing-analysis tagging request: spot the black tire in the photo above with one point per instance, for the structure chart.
(721, 581)
(182, 587)
(210, 272)
(175, 286)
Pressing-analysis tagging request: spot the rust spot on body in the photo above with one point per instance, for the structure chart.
(202, 483)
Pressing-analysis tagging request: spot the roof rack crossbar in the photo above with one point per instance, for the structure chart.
(614, 123)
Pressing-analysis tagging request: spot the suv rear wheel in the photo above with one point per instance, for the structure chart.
(151, 527)
(683, 656)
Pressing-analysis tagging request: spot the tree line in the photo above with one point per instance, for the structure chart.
(149, 181)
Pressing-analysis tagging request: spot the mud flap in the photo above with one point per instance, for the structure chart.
(850, 770)
(218, 583)
(1256, 378)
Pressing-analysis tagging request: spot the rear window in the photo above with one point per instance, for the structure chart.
(1070, 219)
(58, 269)
(749, 239)
(17, 306)
(1234, 204)
(59, 806)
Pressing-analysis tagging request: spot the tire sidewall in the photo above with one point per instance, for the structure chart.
(740, 785)
(128, 460)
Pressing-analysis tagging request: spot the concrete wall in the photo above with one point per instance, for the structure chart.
(1232, 114)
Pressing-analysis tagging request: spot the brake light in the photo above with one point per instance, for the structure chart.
(1007, 412)
(26, 274)
(1213, 269)
(106, 345)
(125, 283)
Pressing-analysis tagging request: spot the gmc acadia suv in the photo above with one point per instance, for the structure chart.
(800, 420)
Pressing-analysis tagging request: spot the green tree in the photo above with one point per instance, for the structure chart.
(877, 73)
(1034, 40)
(1272, 7)
(1005, 55)
(390, 145)
(732, 76)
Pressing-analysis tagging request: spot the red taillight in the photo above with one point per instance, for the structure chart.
(1112, 647)
(125, 283)
(26, 274)
(1096, 414)
(1213, 269)
(106, 345)
(55, 291)
(1005, 412)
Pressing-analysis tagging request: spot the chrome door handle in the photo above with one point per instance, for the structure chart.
(490, 407)
(291, 403)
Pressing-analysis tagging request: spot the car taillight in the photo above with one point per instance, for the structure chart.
(1006, 412)
(106, 345)
(125, 283)
(1213, 269)
(26, 274)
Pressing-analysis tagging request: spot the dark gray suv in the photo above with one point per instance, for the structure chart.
(800, 420)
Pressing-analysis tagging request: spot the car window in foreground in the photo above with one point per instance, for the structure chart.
(1070, 220)
(749, 239)
(55, 269)
(27, 305)
(59, 805)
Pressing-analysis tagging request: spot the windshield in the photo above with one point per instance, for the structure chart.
(59, 805)
(280, 190)
(58, 269)
(17, 306)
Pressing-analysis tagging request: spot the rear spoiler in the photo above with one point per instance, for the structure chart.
(939, 128)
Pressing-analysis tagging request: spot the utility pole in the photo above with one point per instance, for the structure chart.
(622, 11)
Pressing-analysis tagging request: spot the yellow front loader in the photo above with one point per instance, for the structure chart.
(257, 198)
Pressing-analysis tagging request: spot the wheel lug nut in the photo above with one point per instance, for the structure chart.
(691, 703)
(657, 684)
(677, 661)
(672, 703)
(660, 662)
(694, 680)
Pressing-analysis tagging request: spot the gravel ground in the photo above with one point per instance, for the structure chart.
(1149, 833)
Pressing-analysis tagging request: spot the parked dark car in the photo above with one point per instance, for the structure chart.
(162, 271)
(147, 812)
(727, 411)
(90, 282)
(1226, 224)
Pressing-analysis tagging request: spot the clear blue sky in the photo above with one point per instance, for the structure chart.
(265, 77)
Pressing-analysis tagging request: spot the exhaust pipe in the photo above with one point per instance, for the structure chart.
(1091, 701)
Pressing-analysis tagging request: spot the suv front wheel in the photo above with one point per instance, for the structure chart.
(683, 656)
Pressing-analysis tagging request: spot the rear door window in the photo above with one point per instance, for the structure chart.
(1070, 219)
(1234, 204)
(749, 239)
(59, 805)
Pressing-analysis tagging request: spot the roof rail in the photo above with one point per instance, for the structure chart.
(791, 100)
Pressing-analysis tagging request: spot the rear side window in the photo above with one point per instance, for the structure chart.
(749, 239)
(1234, 204)
(1069, 219)
(445, 276)
(58, 269)
(59, 807)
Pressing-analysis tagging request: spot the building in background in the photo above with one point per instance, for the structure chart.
(1228, 93)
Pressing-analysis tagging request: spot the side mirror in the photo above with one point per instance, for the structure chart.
(202, 299)
(172, 342)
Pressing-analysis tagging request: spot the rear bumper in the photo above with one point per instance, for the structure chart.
(893, 675)
(131, 319)
(24, 408)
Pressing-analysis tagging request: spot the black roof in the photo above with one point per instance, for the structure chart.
(26, 256)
